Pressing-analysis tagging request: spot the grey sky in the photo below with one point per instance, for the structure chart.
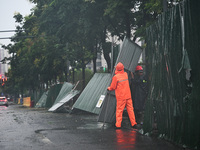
(7, 10)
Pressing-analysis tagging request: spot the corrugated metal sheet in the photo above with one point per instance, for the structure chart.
(66, 88)
(95, 88)
(108, 109)
(52, 95)
(129, 55)
(42, 101)
(64, 100)
(66, 93)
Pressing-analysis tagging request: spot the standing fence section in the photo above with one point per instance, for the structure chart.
(172, 53)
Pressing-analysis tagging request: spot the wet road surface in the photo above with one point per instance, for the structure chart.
(24, 128)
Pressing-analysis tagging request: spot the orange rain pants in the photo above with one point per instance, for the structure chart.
(123, 95)
(121, 104)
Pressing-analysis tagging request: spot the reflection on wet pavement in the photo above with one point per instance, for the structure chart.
(126, 140)
(3, 108)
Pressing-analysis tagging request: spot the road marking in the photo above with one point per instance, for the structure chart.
(43, 138)
(46, 140)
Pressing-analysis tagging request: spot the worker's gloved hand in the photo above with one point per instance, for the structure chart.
(132, 75)
(108, 89)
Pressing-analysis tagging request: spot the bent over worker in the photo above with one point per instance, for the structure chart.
(121, 86)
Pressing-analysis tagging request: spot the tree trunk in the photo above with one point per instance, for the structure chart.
(83, 74)
(106, 52)
(73, 75)
(95, 59)
(47, 85)
(67, 70)
(94, 64)
(108, 60)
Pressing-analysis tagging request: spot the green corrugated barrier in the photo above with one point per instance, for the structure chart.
(52, 95)
(66, 88)
(172, 54)
(42, 101)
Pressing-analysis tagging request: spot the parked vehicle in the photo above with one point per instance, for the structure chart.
(3, 101)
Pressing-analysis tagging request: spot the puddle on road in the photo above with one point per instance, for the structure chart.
(84, 127)
(94, 126)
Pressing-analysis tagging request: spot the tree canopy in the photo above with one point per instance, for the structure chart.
(62, 31)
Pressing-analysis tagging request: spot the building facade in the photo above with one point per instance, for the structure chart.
(100, 63)
(3, 67)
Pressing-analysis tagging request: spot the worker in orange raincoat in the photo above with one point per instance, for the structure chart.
(121, 86)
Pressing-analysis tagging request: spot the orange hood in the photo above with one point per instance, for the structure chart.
(119, 68)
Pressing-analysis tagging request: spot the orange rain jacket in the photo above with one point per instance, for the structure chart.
(121, 86)
(120, 83)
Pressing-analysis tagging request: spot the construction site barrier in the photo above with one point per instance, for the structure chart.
(18, 101)
(27, 101)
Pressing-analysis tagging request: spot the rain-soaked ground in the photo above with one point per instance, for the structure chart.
(24, 128)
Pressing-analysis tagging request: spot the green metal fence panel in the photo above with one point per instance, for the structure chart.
(129, 54)
(52, 95)
(90, 96)
(66, 87)
(66, 93)
(173, 52)
(42, 101)
(70, 95)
